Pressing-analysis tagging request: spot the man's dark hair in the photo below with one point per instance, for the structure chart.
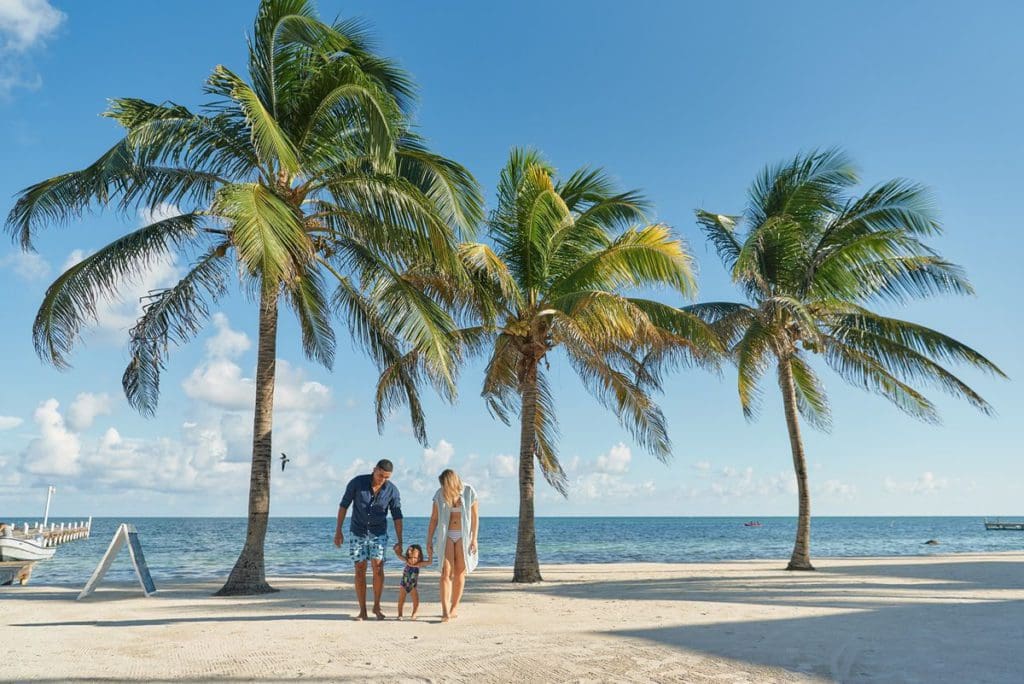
(386, 465)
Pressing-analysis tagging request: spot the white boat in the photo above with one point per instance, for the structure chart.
(23, 549)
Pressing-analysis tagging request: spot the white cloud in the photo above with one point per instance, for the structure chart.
(85, 408)
(616, 460)
(838, 490)
(503, 466)
(227, 343)
(25, 23)
(163, 210)
(26, 265)
(436, 459)
(10, 422)
(75, 257)
(219, 381)
(736, 483)
(56, 450)
(702, 466)
(927, 483)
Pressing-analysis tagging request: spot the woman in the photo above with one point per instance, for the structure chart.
(454, 523)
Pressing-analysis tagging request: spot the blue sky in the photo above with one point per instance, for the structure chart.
(685, 101)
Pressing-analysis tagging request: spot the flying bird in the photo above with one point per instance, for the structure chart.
(284, 460)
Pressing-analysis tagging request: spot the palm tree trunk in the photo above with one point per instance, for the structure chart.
(527, 567)
(801, 558)
(249, 574)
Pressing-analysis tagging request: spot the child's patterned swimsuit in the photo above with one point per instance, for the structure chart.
(410, 576)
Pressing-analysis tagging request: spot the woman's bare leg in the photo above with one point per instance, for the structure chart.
(447, 566)
(458, 578)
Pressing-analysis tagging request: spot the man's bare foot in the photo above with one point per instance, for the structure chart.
(379, 613)
(361, 616)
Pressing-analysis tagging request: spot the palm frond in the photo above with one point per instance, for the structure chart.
(71, 301)
(171, 316)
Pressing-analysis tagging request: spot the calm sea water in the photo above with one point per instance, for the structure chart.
(206, 548)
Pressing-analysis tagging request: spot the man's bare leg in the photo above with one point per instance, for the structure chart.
(378, 587)
(361, 589)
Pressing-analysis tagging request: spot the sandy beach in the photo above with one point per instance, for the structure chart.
(937, 619)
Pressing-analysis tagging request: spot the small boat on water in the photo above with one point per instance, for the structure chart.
(752, 523)
(20, 549)
(997, 524)
(39, 541)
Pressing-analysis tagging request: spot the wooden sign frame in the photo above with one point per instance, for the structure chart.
(126, 535)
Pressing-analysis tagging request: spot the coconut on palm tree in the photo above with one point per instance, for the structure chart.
(562, 257)
(304, 175)
(811, 259)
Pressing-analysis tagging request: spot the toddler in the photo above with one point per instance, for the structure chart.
(410, 578)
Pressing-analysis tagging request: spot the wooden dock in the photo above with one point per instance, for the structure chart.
(1000, 525)
(53, 534)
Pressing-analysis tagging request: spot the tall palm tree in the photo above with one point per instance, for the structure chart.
(811, 260)
(305, 174)
(563, 254)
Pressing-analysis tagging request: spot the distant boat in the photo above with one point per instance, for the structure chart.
(998, 524)
(39, 541)
(752, 523)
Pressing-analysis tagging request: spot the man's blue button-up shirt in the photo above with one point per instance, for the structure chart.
(369, 510)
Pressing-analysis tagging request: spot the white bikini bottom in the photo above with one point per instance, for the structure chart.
(455, 535)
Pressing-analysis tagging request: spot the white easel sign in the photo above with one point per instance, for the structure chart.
(126, 534)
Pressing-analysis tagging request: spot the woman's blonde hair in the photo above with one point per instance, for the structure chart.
(451, 486)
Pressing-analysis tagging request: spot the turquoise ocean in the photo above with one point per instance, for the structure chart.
(206, 548)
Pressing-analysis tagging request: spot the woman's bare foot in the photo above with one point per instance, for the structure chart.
(400, 617)
(413, 616)
(444, 618)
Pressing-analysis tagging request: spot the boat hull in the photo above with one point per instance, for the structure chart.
(12, 549)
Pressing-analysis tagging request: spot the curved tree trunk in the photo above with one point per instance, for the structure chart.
(801, 558)
(249, 574)
(527, 567)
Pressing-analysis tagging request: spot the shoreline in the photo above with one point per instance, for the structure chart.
(895, 618)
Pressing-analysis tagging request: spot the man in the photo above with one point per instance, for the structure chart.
(371, 497)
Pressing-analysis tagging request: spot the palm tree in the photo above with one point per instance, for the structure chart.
(305, 174)
(563, 253)
(811, 260)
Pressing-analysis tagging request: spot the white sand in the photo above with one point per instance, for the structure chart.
(939, 619)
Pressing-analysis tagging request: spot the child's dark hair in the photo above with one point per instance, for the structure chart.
(417, 548)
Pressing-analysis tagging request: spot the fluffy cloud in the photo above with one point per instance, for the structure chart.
(227, 343)
(436, 459)
(837, 490)
(10, 422)
(24, 25)
(927, 483)
(603, 478)
(503, 466)
(56, 450)
(616, 461)
(219, 381)
(26, 265)
(85, 408)
(735, 483)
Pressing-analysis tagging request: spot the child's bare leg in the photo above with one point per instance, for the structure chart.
(415, 602)
(401, 602)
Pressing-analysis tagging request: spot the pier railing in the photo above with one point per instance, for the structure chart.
(54, 534)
